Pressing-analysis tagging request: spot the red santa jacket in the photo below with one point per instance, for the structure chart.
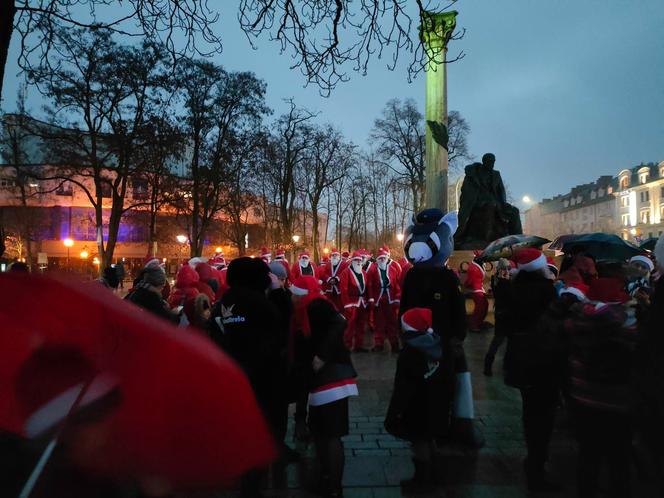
(353, 295)
(391, 293)
(327, 273)
(296, 271)
(474, 278)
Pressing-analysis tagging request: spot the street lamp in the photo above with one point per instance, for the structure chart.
(218, 250)
(400, 237)
(526, 199)
(84, 254)
(68, 242)
(182, 239)
(296, 238)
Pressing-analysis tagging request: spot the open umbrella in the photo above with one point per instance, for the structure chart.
(602, 246)
(649, 243)
(144, 399)
(561, 240)
(505, 247)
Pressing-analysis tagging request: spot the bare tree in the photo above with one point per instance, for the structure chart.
(290, 141)
(327, 37)
(99, 95)
(219, 107)
(329, 159)
(399, 137)
(162, 21)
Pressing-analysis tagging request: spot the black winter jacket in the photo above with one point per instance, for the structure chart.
(530, 297)
(150, 301)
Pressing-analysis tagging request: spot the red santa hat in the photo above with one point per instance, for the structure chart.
(196, 260)
(578, 289)
(265, 252)
(530, 259)
(303, 254)
(152, 261)
(417, 320)
(382, 252)
(357, 255)
(218, 261)
(345, 254)
(386, 248)
(334, 251)
(279, 253)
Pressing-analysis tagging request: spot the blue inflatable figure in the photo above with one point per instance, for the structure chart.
(431, 284)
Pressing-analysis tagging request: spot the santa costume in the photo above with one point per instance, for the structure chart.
(330, 274)
(303, 267)
(385, 290)
(474, 285)
(355, 298)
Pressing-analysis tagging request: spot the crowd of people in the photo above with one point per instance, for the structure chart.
(583, 339)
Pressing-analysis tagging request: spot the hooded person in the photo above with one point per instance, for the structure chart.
(431, 284)
(207, 282)
(417, 407)
(184, 291)
(243, 325)
(385, 290)
(356, 300)
(148, 294)
(303, 266)
(154, 262)
(532, 293)
(330, 274)
(474, 285)
(320, 332)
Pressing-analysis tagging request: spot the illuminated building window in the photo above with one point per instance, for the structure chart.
(624, 182)
(645, 216)
(625, 220)
(643, 177)
(645, 196)
(624, 201)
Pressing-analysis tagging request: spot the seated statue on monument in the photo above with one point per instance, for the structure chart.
(484, 214)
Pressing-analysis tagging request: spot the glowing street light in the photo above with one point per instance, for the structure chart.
(84, 254)
(68, 242)
(95, 260)
(526, 199)
(326, 251)
(296, 238)
(633, 231)
(181, 238)
(218, 250)
(400, 237)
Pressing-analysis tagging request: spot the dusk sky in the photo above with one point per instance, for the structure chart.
(562, 92)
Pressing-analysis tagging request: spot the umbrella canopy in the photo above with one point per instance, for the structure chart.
(505, 247)
(602, 246)
(561, 240)
(177, 409)
(649, 243)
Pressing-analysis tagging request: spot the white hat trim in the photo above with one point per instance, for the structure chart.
(575, 292)
(409, 328)
(645, 260)
(298, 291)
(537, 264)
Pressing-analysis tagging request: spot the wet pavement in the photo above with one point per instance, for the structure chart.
(376, 461)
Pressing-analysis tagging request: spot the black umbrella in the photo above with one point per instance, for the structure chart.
(649, 244)
(561, 240)
(602, 246)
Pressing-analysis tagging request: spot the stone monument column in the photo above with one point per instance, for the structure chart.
(436, 31)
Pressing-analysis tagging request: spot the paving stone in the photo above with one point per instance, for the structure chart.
(375, 453)
(361, 445)
(393, 444)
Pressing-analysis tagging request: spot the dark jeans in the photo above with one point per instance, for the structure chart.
(496, 342)
(603, 435)
(539, 413)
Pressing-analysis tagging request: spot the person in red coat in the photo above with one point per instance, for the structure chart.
(185, 291)
(356, 301)
(330, 274)
(474, 285)
(302, 267)
(385, 291)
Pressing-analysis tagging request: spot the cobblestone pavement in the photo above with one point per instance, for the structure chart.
(376, 461)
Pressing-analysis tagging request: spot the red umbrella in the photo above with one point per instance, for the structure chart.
(178, 409)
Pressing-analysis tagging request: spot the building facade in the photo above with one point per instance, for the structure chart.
(640, 200)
